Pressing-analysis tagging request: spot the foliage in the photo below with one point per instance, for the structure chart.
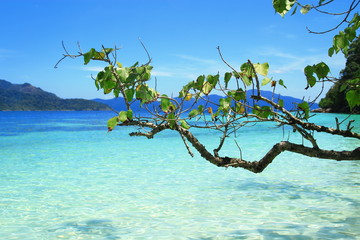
(344, 94)
(231, 112)
(344, 41)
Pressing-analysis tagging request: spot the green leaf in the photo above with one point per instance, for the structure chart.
(98, 55)
(130, 114)
(281, 103)
(311, 80)
(147, 75)
(305, 9)
(321, 70)
(185, 90)
(145, 94)
(227, 78)
(262, 69)
(122, 116)
(353, 98)
(199, 82)
(225, 104)
(107, 90)
(304, 106)
(109, 84)
(184, 124)
(97, 84)
(236, 74)
(246, 80)
(350, 33)
(266, 111)
(207, 87)
(265, 81)
(171, 120)
(281, 82)
(131, 78)
(108, 50)
(129, 94)
(239, 108)
(238, 94)
(263, 112)
(200, 109)
(213, 79)
(119, 64)
(331, 51)
(116, 92)
(140, 70)
(282, 6)
(112, 122)
(193, 113)
(123, 74)
(340, 41)
(135, 65)
(88, 56)
(165, 103)
(246, 69)
(188, 97)
(309, 71)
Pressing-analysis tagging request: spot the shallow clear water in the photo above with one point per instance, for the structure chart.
(62, 176)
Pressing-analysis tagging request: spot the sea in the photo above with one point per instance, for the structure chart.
(63, 176)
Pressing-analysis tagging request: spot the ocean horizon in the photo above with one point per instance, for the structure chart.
(63, 176)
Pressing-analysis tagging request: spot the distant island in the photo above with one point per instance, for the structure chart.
(118, 104)
(25, 97)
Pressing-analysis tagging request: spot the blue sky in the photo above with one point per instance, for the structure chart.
(181, 36)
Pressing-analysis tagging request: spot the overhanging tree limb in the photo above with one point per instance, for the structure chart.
(229, 113)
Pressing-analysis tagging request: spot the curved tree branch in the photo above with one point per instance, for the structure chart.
(353, 5)
(307, 125)
(259, 166)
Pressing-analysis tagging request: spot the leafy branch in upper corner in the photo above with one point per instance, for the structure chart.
(195, 109)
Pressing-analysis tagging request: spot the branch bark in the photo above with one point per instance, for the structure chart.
(307, 125)
(259, 166)
(253, 166)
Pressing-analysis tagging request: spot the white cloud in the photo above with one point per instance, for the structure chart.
(196, 59)
(285, 62)
(92, 69)
(162, 74)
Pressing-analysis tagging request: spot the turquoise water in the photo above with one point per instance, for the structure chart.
(62, 176)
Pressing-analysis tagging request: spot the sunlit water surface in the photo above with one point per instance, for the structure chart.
(62, 176)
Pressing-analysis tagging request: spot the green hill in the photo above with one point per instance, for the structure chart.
(25, 97)
(336, 98)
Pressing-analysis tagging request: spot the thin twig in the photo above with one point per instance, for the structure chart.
(238, 148)
(343, 21)
(143, 45)
(222, 58)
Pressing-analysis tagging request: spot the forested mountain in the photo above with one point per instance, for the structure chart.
(335, 99)
(289, 102)
(25, 97)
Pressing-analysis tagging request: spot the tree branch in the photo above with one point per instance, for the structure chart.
(353, 5)
(278, 148)
(307, 125)
(259, 166)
